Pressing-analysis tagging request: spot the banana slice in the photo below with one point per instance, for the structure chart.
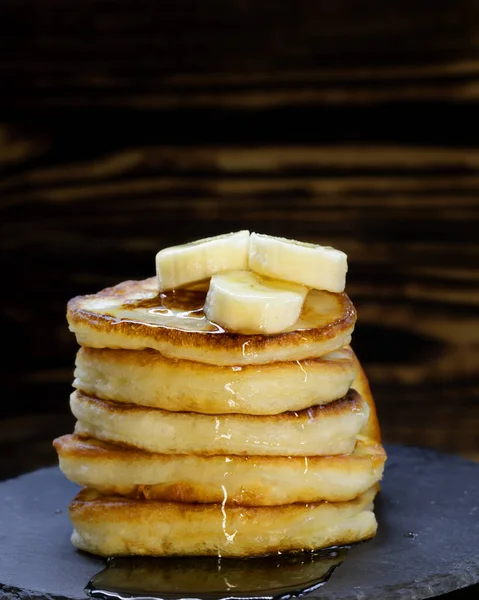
(245, 302)
(317, 267)
(188, 263)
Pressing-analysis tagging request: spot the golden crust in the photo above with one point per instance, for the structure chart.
(234, 480)
(320, 430)
(148, 378)
(132, 315)
(371, 428)
(113, 526)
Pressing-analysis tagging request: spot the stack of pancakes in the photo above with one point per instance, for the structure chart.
(192, 440)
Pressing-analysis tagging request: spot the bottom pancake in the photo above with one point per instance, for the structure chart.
(235, 480)
(116, 526)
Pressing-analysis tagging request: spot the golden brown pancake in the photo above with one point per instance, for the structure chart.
(116, 526)
(320, 430)
(234, 480)
(133, 315)
(148, 378)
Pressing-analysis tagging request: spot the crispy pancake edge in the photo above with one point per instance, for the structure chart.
(372, 427)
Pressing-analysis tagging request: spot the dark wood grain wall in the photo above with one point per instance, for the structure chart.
(127, 126)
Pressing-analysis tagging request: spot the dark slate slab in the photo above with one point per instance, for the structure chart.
(427, 544)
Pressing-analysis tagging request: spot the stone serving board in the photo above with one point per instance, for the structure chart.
(427, 543)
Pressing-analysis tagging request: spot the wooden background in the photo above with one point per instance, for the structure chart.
(128, 126)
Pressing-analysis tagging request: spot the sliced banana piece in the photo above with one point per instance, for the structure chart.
(188, 263)
(317, 267)
(245, 302)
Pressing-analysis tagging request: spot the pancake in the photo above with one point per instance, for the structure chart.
(133, 315)
(117, 526)
(148, 378)
(235, 480)
(320, 430)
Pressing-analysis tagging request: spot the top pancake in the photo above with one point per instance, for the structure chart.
(134, 315)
